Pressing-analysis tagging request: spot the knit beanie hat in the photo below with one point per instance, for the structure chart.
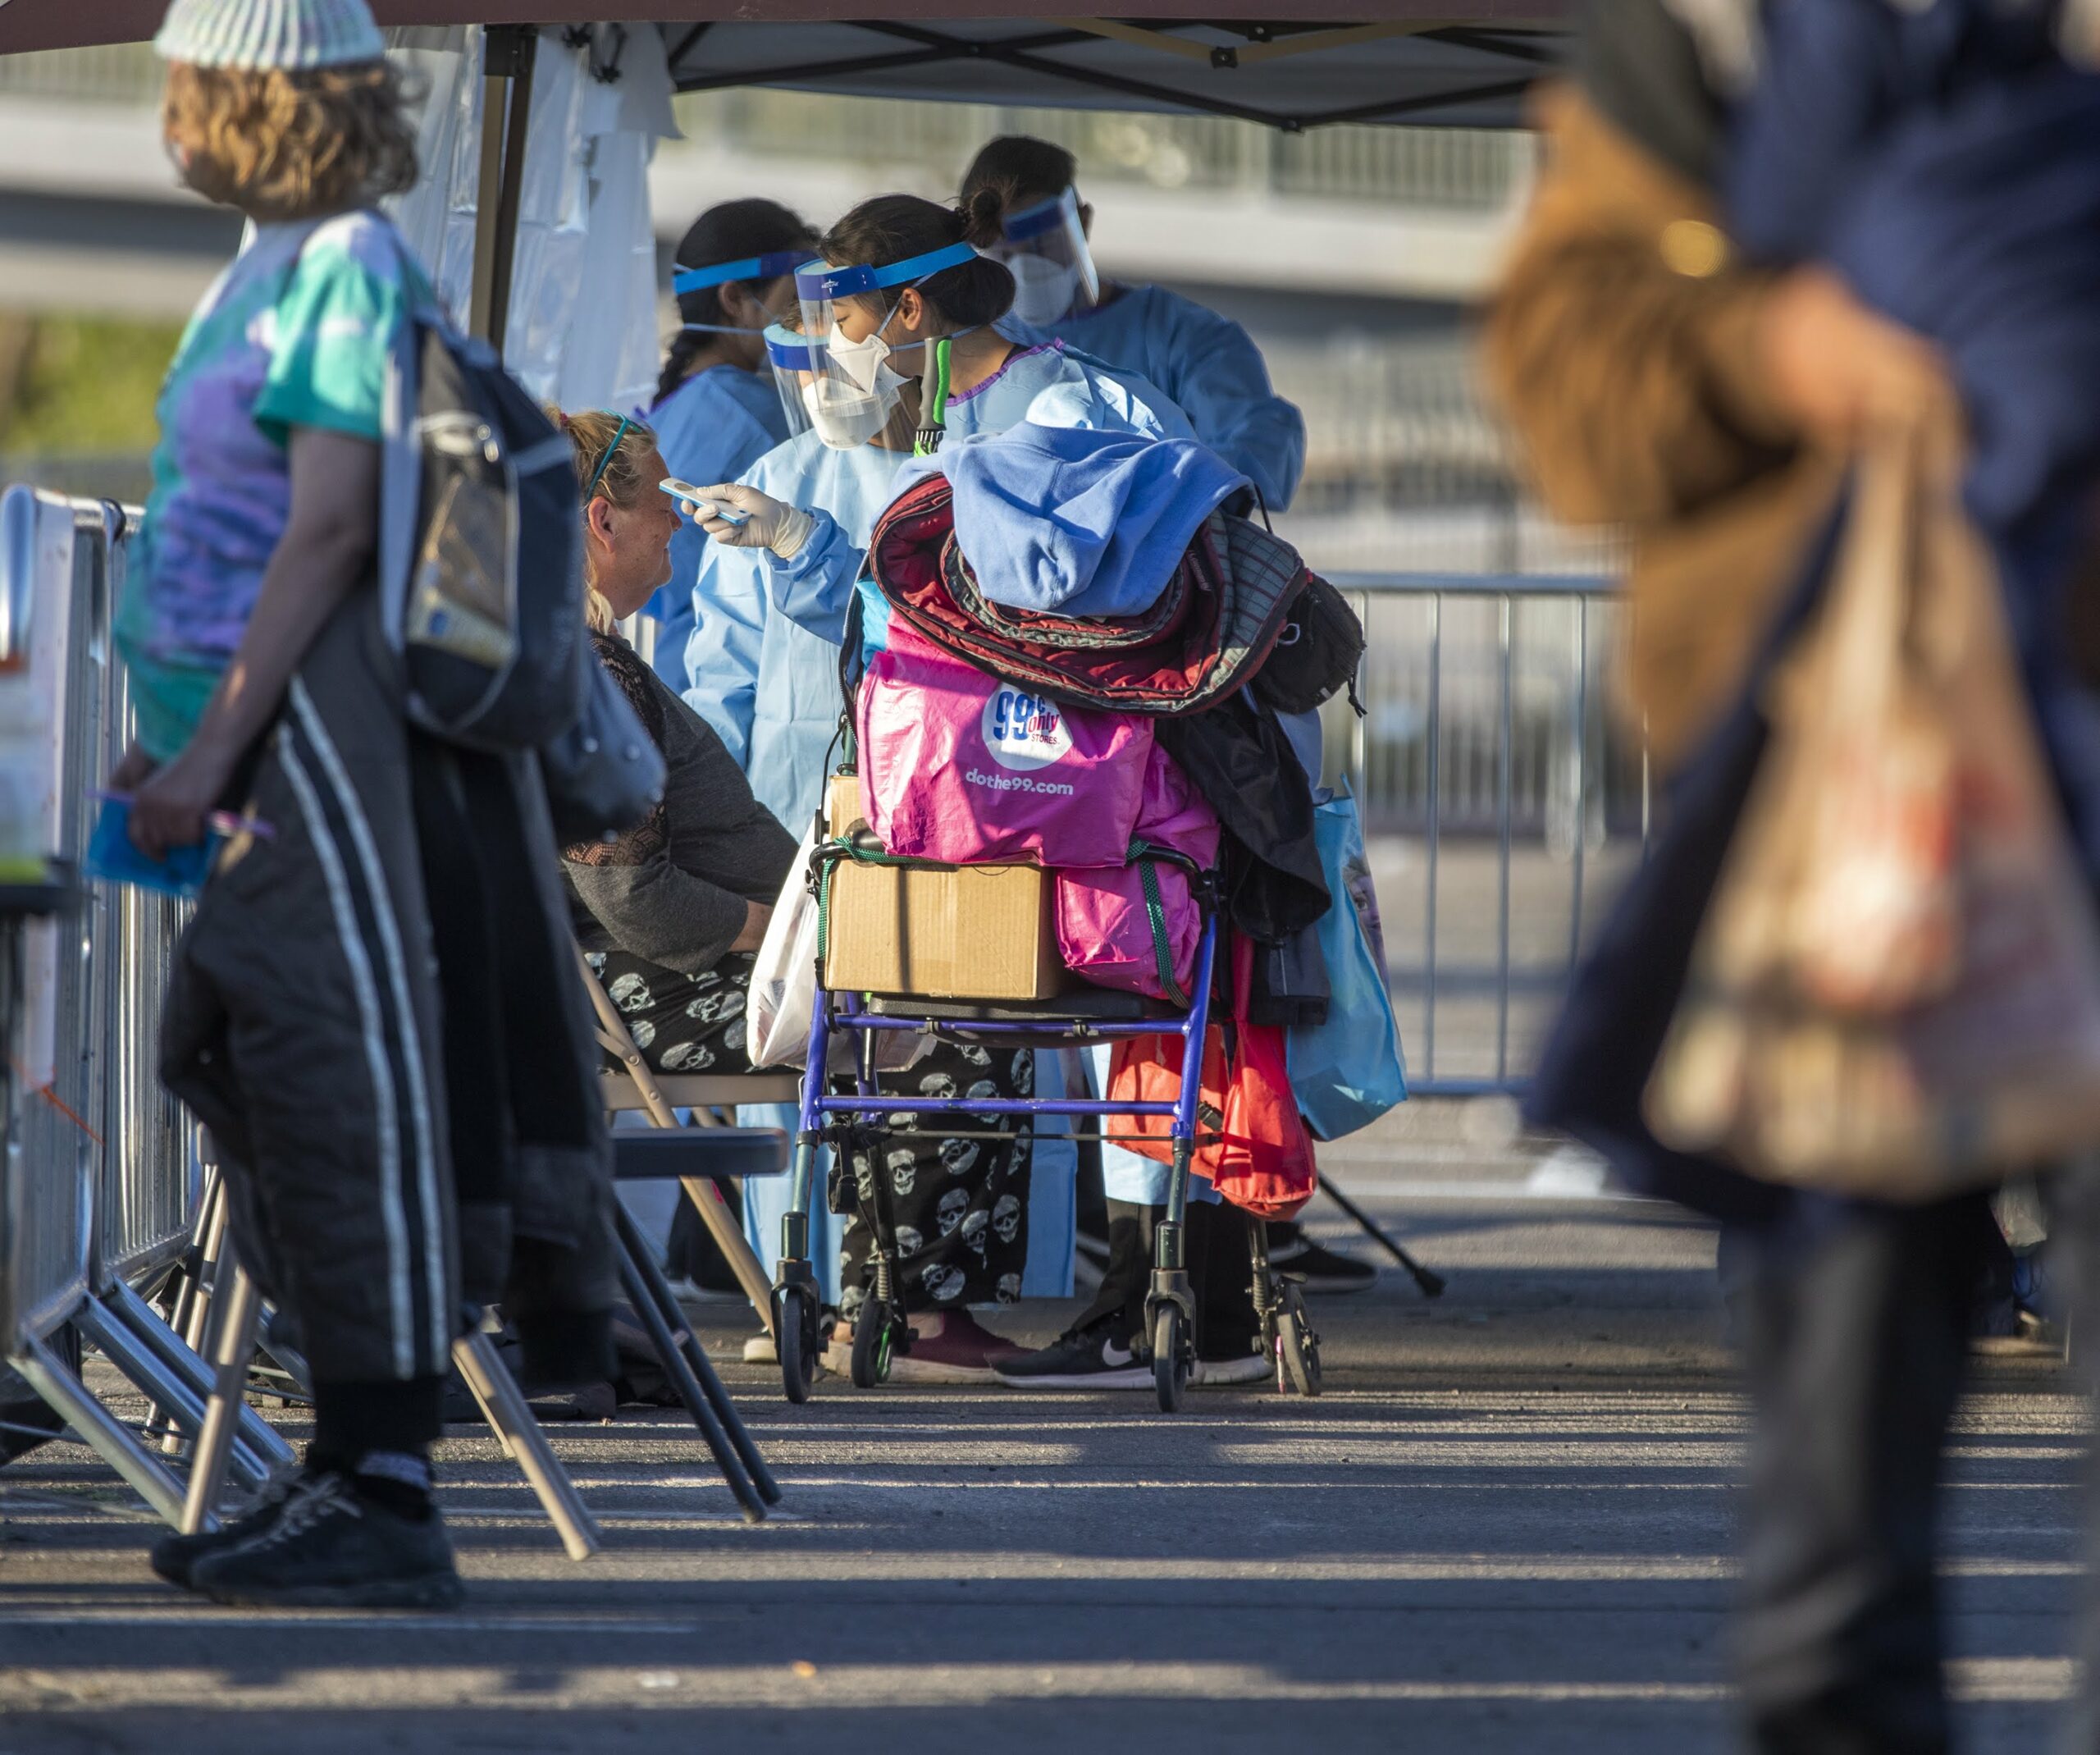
(295, 35)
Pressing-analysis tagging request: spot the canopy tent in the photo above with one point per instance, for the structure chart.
(1429, 62)
(1450, 62)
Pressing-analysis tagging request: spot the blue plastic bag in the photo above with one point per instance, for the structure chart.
(112, 857)
(1348, 1071)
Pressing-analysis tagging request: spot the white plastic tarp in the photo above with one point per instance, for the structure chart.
(582, 328)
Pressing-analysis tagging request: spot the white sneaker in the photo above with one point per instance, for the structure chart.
(760, 1351)
(1210, 1372)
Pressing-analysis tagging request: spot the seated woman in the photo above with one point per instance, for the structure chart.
(671, 914)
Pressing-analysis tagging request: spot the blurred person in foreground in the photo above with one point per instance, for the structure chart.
(374, 1009)
(1917, 186)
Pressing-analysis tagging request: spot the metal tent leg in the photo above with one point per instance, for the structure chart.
(497, 1391)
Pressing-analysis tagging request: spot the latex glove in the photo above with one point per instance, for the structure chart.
(768, 522)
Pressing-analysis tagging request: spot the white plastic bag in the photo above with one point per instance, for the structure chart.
(784, 978)
(784, 986)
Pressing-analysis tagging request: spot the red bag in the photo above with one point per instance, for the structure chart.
(1261, 1160)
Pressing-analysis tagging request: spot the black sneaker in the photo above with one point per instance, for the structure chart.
(1079, 1358)
(173, 1557)
(332, 1547)
(1316, 1268)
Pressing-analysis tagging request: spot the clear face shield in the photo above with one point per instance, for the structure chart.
(761, 272)
(856, 397)
(1053, 271)
(797, 363)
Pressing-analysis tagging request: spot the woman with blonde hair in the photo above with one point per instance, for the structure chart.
(374, 1009)
(670, 915)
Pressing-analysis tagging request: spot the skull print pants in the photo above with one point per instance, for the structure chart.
(960, 1206)
(681, 1023)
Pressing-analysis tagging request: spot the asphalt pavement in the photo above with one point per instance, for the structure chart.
(1506, 1525)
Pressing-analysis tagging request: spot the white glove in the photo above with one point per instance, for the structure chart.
(765, 522)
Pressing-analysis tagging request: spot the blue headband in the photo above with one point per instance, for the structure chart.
(769, 267)
(794, 353)
(1045, 216)
(598, 474)
(819, 280)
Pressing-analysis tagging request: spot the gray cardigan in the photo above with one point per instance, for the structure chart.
(672, 889)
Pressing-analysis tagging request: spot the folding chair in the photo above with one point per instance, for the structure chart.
(227, 1326)
(699, 1158)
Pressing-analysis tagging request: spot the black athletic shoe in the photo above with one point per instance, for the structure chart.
(1091, 1358)
(173, 1557)
(333, 1547)
(1316, 1268)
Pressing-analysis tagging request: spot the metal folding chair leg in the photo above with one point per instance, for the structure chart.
(659, 1311)
(497, 1391)
(729, 1238)
(112, 1441)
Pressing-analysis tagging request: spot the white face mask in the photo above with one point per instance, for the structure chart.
(846, 419)
(1044, 290)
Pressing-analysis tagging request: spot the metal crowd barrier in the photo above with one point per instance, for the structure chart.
(1498, 801)
(98, 1183)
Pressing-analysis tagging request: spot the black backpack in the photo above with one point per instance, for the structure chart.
(481, 549)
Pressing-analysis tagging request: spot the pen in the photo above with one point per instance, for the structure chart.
(219, 822)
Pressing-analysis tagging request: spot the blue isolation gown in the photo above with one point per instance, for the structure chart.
(1212, 369)
(711, 429)
(763, 664)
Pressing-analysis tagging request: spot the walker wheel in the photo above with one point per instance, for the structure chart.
(796, 1342)
(1298, 1347)
(1170, 1357)
(871, 1343)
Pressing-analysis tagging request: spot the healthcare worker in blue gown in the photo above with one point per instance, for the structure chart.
(900, 280)
(1207, 363)
(718, 409)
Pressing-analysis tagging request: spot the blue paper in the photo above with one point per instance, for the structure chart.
(112, 857)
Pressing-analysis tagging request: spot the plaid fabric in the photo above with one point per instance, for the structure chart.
(1241, 581)
(1078, 633)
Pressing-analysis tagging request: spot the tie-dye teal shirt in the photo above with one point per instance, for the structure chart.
(297, 332)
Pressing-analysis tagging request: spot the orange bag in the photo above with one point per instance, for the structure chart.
(1251, 1143)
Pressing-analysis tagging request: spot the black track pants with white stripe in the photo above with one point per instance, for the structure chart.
(302, 1027)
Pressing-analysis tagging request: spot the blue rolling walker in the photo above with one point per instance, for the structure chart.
(1076, 1020)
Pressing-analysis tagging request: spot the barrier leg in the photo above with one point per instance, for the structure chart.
(175, 1392)
(112, 1441)
(257, 1434)
(233, 1345)
(497, 1391)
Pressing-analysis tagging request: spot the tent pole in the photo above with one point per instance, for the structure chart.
(508, 53)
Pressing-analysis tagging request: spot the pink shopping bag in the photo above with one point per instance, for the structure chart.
(961, 767)
(1128, 927)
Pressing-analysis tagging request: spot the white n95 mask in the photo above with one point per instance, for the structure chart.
(845, 417)
(1044, 290)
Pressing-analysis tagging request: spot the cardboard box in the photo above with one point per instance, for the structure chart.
(960, 932)
(842, 809)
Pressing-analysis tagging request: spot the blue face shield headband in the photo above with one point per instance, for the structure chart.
(1056, 214)
(770, 267)
(818, 281)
